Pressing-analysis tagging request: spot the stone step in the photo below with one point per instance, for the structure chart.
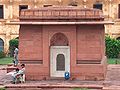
(10, 68)
(44, 85)
(39, 89)
(50, 89)
(112, 88)
(57, 78)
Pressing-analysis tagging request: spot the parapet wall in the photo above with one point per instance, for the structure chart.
(61, 13)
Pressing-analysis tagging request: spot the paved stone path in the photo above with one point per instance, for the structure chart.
(112, 81)
(2, 73)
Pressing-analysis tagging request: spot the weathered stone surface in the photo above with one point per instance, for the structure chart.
(112, 81)
(61, 13)
(11, 12)
(86, 42)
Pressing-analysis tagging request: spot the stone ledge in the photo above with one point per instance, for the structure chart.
(112, 88)
(53, 86)
(59, 23)
(10, 68)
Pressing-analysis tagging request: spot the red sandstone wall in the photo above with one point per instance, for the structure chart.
(69, 31)
(88, 72)
(35, 45)
(30, 43)
(37, 72)
(90, 46)
(31, 51)
(90, 42)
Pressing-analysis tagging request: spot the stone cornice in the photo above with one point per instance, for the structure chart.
(57, 23)
(61, 13)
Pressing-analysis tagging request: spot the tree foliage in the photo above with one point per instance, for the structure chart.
(12, 44)
(2, 54)
(112, 47)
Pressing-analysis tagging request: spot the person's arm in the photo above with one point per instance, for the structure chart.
(21, 71)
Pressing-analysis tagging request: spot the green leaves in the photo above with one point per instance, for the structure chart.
(2, 54)
(112, 47)
(12, 43)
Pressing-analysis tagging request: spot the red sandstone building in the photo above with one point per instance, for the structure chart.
(58, 39)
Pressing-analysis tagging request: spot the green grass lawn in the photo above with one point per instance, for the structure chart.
(5, 61)
(2, 89)
(114, 60)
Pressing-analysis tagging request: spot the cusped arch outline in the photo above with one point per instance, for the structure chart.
(59, 39)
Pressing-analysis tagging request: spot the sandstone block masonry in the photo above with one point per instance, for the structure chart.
(11, 10)
(78, 39)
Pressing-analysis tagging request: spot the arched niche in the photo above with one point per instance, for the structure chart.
(1, 45)
(59, 39)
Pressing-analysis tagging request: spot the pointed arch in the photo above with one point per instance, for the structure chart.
(59, 39)
(60, 62)
(1, 45)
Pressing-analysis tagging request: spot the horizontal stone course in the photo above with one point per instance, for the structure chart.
(61, 13)
(53, 85)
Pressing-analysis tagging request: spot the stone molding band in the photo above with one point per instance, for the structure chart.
(31, 61)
